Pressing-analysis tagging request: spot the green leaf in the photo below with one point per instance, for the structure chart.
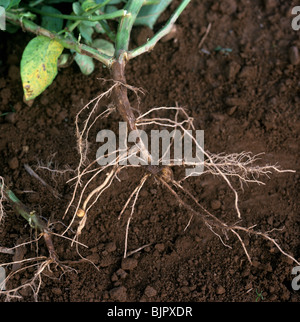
(51, 23)
(110, 2)
(77, 8)
(11, 28)
(86, 32)
(85, 63)
(115, 1)
(110, 9)
(63, 60)
(148, 15)
(104, 46)
(39, 65)
(4, 3)
(89, 23)
(13, 3)
(27, 15)
(99, 29)
(88, 5)
(57, 1)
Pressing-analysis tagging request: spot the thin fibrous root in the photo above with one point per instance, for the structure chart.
(135, 193)
(241, 167)
(52, 167)
(41, 263)
(43, 182)
(238, 165)
(83, 134)
(212, 221)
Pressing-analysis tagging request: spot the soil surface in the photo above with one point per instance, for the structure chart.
(245, 97)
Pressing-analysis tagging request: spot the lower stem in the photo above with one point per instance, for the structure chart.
(119, 94)
(32, 218)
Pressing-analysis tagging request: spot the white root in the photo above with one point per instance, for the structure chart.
(232, 168)
(236, 167)
(136, 193)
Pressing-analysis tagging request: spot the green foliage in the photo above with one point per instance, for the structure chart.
(149, 14)
(83, 25)
(9, 4)
(85, 63)
(51, 23)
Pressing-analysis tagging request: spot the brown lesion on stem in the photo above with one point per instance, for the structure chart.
(119, 93)
(34, 221)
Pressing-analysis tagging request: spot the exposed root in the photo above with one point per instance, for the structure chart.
(45, 184)
(52, 167)
(42, 267)
(82, 138)
(84, 168)
(236, 169)
(135, 193)
(38, 225)
(238, 165)
(215, 223)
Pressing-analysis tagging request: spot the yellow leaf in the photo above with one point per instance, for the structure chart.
(39, 65)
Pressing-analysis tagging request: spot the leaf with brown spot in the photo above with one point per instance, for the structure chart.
(39, 65)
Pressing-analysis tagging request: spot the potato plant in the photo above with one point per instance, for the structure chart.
(100, 30)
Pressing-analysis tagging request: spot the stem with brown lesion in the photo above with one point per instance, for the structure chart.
(120, 95)
(33, 219)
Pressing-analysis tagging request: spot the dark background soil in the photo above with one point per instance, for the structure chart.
(246, 100)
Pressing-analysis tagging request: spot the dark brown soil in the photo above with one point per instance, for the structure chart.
(245, 100)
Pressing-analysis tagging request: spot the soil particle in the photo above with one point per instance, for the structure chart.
(111, 247)
(220, 290)
(129, 264)
(230, 111)
(228, 7)
(270, 4)
(107, 261)
(294, 55)
(150, 291)
(57, 291)
(141, 35)
(121, 273)
(160, 247)
(118, 294)
(232, 70)
(10, 118)
(13, 163)
(95, 258)
(215, 204)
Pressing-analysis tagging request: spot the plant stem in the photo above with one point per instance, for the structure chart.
(163, 32)
(150, 2)
(66, 42)
(115, 14)
(119, 94)
(125, 25)
(32, 218)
